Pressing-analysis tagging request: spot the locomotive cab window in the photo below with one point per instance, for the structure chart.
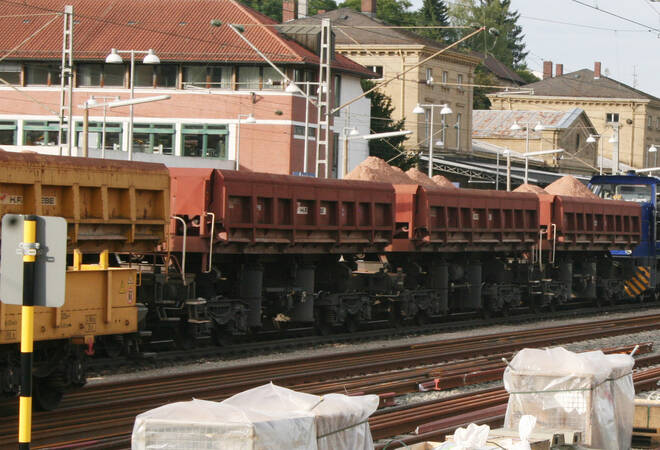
(640, 193)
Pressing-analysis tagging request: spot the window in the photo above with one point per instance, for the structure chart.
(377, 69)
(445, 77)
(577, 141)
(657, 123)
(166, 75)
(272, 79)
(248, 77)
(649, 122)
(300, 75)
(299, 132)
(113, 134)
(153, 138)
(144, 75)
(205, 141)
(10, 72)
(42, 74)
(7, 132)
(217, 77)
(40, 133)
(459, 81)
(89, 74)
(429, 76)
(100, 75)
(612, 117)
(336, 90)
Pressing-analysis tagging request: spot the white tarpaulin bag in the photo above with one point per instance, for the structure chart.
(266, 417)
(589, 392)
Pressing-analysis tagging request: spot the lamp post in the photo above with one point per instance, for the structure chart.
(115, 58)
(615, 151)
(507, 153)
(248, 119)
(652, 149)
(445, 109)
(346, 132)
(592, 139)
(517, 127)
(93, 103)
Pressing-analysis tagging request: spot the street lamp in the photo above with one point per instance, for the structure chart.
(517, 127)
(652, 149)
(592, 139)
(346, 132)
(444, 111)
(249, 118)
(115, 58)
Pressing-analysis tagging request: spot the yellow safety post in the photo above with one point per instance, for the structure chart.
(27, 331)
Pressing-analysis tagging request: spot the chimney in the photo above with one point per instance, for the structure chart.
(559, 70)
(547, 69)
(321, 11)
(289, 10)
(302, 9)
(596, 70)
(369, 7)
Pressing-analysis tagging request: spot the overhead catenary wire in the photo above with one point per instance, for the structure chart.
(604, 11)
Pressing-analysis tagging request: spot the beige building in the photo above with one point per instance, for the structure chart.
(445, 79)
(548, 130)
(613, 108)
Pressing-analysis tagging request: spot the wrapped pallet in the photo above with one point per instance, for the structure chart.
(265, 417)
(588, 392)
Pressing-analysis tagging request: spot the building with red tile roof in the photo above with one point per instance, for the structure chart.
(211, 75)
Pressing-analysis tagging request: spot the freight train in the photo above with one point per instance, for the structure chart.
(205, 255)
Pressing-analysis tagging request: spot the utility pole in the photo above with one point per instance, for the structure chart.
(66, 82)
(323, 107)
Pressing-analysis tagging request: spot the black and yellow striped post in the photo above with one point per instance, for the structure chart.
(27, 331)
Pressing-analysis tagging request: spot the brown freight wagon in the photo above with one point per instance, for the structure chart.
(271, 214)
(109, 206)
(460, 220)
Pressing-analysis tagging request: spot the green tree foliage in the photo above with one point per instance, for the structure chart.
(435, 13)
(390, 149)
(505, 42)
(394, 12)
(527, 75)
(273, 8)
(483, 77)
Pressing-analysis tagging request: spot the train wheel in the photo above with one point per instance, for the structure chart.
(47, 396)
(352, 324)
(221, 338)
(112, 345)
(506, 310)
(422, 317)
(324, 329)
(183, 340)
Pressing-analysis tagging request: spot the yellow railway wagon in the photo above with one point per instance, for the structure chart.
(109, 206)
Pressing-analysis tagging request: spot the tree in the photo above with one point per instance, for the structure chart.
(434, 13)
(394, 12)
(390, 149)
(314, 6)
(271, 8)
(483, 77)
(504, 38)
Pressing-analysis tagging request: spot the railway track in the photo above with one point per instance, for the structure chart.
(271, 343)
(103, 415)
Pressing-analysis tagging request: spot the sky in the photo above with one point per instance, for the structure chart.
(629, 53)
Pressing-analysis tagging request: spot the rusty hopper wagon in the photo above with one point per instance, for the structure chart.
(110, 206)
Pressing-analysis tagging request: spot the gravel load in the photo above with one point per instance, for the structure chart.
(421, 178)
(569, 185)
(534, 189)
(443, 182)
(375, 169)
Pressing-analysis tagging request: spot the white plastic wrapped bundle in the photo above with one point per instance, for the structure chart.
(589, 392)
(266, 417)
